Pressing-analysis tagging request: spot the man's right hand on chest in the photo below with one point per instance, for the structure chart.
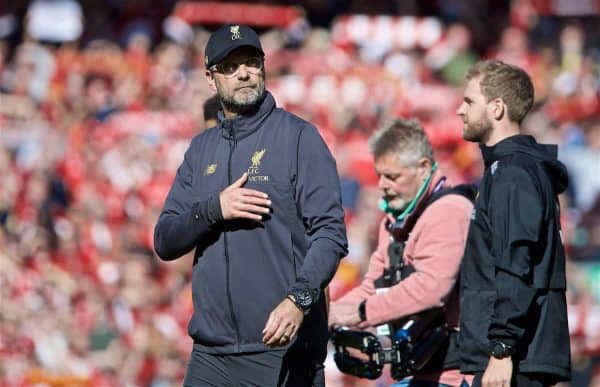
(239, 202)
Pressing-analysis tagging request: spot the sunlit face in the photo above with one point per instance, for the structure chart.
(476, 124)
(398, 183)
(245, 89)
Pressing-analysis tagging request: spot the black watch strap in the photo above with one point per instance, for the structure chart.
(362, 311)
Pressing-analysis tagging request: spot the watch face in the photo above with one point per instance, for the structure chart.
(498, 349)
(304, 298)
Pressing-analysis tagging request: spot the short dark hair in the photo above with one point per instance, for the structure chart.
(404, 137)
(211, 108)
(510, 83)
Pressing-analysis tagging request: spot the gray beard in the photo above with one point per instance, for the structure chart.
(239, 107)
(403, 205)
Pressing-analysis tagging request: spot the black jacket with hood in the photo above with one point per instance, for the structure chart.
(243, 269)
(513, 273)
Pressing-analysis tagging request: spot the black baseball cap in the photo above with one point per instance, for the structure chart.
(228, 38)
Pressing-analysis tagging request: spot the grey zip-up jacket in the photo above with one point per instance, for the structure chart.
(244, 269)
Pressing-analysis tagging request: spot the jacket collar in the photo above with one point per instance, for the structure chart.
(543, 154)
(244, 124)
(507, 146)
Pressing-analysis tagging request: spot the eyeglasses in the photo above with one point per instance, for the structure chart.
(253, 65)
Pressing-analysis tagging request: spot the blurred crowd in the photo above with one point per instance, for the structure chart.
(91, 136)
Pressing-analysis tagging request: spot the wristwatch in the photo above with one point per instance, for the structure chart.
(500, 350)
(303, 298)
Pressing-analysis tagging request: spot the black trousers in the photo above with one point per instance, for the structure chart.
(264, 369)
(523, 380)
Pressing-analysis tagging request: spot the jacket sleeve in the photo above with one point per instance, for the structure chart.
(319, 203)
(183, 220)
(439, 240)
(516, 216)
(377, 264)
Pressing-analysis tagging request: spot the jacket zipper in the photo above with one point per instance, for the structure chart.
(232, 146)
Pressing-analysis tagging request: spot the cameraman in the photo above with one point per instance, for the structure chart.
(408, 178)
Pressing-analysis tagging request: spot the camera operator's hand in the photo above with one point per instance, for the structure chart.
(343, 314)
(357, 353)
(283, 324)
(239, 202)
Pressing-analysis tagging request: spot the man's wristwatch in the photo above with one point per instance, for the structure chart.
(500, 350)
(303, 298)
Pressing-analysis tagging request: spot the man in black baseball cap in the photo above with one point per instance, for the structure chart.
(258, 199)
(234, 68)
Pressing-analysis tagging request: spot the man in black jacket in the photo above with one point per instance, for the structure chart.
(513, 327)
(258, 198)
